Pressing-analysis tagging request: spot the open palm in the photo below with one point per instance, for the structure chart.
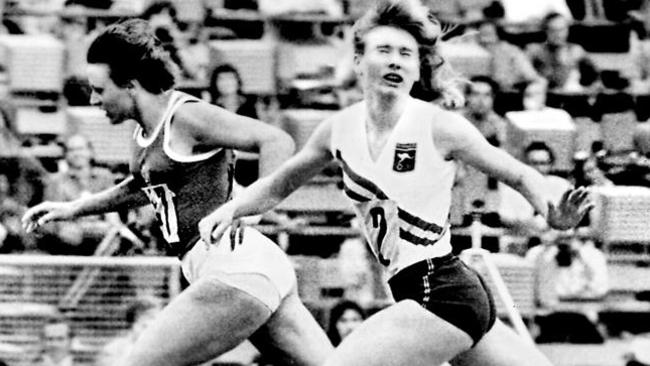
(572, 207)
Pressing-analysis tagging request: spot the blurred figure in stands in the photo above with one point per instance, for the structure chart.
(514, 210)
(569, 269)
(640, 52)
(226, 91)
(12, 239)
(473, 185)
(479, 109)
(345, 316)
(565, 65)
(56, 343)
(139, 315)
(509, 65)
(78, 176)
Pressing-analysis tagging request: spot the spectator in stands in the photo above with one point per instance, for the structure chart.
(11, 233)
(514, 211)
(161, 14)
(139, 315)
(77, 176)
(642, 139)
(76, 91)
(226, 90)
(569, 269)
(565, 65)
(56, 343)
(509, 65)
(573, 268)
(345, 316)
(195, 52)
(640, 53)
(588, 173)
(8, 135)
(479, 109)
(472, 184)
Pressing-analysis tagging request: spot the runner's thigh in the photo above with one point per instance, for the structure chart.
(402, 334)
(206, 320)
(501, 346)
(292, 334)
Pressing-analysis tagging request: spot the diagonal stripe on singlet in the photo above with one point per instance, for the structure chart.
(361, 181)
(354, 195)
(418, 222)
(417, 240)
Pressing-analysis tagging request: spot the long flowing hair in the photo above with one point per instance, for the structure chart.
(437, 77)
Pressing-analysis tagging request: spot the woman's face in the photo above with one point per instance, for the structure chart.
(114, 100)
(349, 320)
(390, 62)
(227, 83)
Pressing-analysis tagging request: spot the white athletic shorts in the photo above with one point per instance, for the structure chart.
(257, 266)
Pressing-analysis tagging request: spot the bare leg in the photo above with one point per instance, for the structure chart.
(501, 346)
(292, 334)
(203, 322)
(402, 334)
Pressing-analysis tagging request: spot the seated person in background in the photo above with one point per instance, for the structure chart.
(11, 235)
(515, 212)
(78, 176)
(565, 65)
(642, 139)
(574, 269)
(588, 173)
(162, 15)
(139, 315)
(569, 269)
(226, 91)
(509, 65)
(479, 109)
(56, 343)
(473, 185)
(640, 53)
(345, 316)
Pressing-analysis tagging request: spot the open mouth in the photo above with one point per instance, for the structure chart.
(393, 78)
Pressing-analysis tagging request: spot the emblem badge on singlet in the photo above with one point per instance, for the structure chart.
(404, 160)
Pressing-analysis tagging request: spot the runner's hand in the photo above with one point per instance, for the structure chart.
(213, 226)
(45, 212)
(568, 213)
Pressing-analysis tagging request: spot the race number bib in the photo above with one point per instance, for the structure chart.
(162, 199)
(382, 227)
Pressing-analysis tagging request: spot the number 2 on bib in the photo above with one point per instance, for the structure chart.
(379, 222)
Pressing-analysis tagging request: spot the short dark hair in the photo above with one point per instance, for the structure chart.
(537, 146)
(132, 52)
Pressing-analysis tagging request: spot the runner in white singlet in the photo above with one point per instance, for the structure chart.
(399, 158)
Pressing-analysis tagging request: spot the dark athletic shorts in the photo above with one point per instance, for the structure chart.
(449, 289)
